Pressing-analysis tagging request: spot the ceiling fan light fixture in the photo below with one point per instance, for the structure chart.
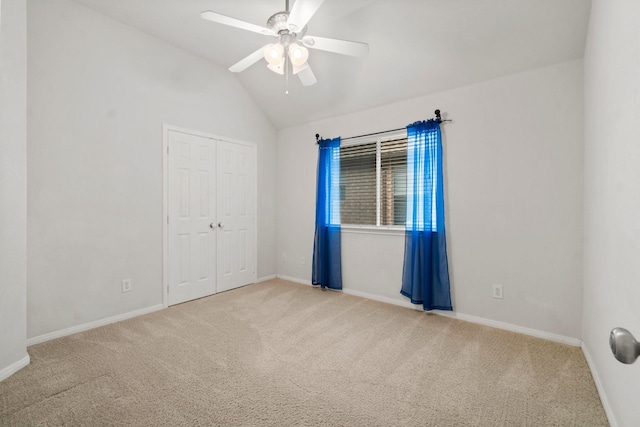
(297, 68)
(277, 67)
(298, 54)
(274, 53)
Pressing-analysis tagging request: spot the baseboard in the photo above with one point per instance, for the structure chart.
(294, 279)
(575, 342)
(596, 379)
(14, 367)
(91, 325)
(265, 278)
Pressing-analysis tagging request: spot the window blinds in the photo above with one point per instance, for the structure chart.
(373, 183)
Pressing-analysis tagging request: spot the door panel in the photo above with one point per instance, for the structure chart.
(191, 210)
(236, 215)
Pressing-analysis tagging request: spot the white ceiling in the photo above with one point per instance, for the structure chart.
(416, 46)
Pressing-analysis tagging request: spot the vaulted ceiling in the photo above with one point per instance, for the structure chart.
(417, 47)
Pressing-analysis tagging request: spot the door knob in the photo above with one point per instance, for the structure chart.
(212, 225)
(624, 345)
(220, 225)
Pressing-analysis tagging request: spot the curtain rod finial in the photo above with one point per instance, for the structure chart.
(317, 138)
(437, 112)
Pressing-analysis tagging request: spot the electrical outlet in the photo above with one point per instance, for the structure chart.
(284, 258)
(126, 285)
(497, 291)
(303, 260)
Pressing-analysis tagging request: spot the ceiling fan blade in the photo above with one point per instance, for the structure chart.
(342, 47)
(247, 62)
(306, 76)
(232, 22)
(301, 13)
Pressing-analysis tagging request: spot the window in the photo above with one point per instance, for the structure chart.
(373, 182)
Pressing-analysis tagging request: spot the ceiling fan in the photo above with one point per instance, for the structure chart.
(290, 50)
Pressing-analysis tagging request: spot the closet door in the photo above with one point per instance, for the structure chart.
(191, 228)
(236, 175)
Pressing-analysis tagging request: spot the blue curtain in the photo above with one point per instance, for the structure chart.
(327, 264)
(425, 277)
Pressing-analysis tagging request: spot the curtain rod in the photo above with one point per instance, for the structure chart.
(439, 119)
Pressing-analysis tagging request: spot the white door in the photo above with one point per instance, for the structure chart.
(236, 215)
(191, 217)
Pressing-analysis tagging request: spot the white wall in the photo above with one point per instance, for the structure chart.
(99, 93)
(612, 202)
(13, 186)
(514, 168)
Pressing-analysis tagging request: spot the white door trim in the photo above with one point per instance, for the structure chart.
(166, 128)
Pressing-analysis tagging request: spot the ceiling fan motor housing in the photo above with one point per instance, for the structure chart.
(278, 24)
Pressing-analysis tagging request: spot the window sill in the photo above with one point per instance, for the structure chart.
(371, 229)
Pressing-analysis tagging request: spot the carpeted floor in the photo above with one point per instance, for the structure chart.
(283, 354)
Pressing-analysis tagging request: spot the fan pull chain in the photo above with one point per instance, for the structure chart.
(286, 75)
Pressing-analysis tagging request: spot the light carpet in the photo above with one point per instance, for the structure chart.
(283, 354)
